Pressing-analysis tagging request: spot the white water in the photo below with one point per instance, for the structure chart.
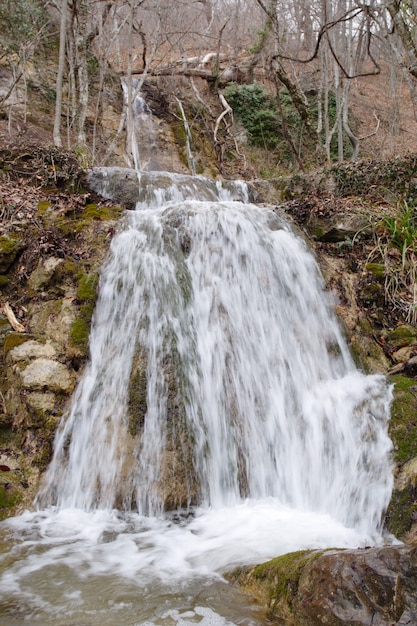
(141, 151)
(286, 441)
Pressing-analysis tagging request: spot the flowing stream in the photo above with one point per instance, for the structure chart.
(220, 422)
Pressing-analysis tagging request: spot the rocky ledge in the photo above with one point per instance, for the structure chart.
(370, 586)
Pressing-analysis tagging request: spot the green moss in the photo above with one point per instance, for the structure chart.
(87, 287)
(137, 401)
(44, 452)
(12, 340)
(9, 498)
(43, 206)
(282, 576)
(402, 335)
(399, 517)
(403, 423)
(86, 294)
(3, 281)
(377, 269)
(79, 334)
(9, 244)
(67, 269)
(95, 212)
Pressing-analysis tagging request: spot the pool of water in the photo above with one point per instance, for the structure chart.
(73, 568)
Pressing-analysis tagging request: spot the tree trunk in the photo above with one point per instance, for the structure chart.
(60, 75)
(403, 31)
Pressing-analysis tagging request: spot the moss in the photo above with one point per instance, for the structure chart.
(6, 433)
(377, 269)
(276, 582)
(9, 498)
(44, 452)
(403, 432)
(4, 281)
(79, 334)
(95, 212)
(403, 423)
(43, 206)
(86, 295)
(13, 340)
(137, 401)
(67, 270)
(402, 335)
(87, 287)
(399, 517)
(9, 244)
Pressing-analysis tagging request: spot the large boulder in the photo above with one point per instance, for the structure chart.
(47, 374)
(375, 586)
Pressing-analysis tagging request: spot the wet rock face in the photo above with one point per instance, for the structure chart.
(375, 586)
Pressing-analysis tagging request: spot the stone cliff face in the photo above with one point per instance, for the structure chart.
(51, 247)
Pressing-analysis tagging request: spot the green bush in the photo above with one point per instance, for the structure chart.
(265, 119)
(20, 20)
(258, 113)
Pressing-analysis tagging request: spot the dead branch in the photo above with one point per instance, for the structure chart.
(17, 326)
(374, 132)
(228, 109)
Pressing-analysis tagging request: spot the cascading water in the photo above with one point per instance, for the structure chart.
(220, 385)
(142, 136)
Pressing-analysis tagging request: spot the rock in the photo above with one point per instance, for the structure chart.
(45, 373)
(375, 586)
(31, 350)
(42, 276)
(338, 227)
(10, 246)
(402, 355)
(42, 402)
(54, 320)
(4, 328)
(403, 335)
(122, 185)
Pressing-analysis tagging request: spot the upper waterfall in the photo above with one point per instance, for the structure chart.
(218, 372)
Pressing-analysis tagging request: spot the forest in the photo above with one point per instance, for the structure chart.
(309, 82)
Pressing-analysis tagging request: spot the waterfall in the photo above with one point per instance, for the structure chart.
(214, 317)
(140, 153)
(188, 138)
(219, 422)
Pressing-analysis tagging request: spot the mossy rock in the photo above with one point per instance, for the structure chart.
(403, 423)
(12, 340)
(403, 432)
(87, 287)
(377, 269)
(137, 401)
(86, 295)
(276, 582)
(10, 246)
(403, 335)
(96, 212)
(80, 333)
(10, 494)
(401, 510)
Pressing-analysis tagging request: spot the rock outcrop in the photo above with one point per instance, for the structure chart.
(375, 586)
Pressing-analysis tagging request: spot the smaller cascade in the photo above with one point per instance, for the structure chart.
(141, 148)
(188, 139)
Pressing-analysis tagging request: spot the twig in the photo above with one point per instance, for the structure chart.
(17, 326)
